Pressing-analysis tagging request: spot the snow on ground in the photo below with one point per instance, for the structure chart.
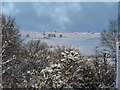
(85, 42)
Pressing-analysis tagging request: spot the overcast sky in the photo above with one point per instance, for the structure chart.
(62, 16)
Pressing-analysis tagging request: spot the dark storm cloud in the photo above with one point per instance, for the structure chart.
(93, 16)
(69, 17)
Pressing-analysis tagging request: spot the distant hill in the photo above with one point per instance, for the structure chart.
(85, 42)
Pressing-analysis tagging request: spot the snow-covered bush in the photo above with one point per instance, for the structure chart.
(50, 77)
(60, 74)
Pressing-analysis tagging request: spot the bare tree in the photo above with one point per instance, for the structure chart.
(104, 68)
(11, 49)
(109, 37)
(35, 56)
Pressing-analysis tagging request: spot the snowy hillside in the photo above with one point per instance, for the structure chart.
(85, 42)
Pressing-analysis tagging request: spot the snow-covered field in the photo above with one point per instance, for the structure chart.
(85, 42)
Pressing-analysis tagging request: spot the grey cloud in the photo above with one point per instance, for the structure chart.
(9, 8)
(69, 17)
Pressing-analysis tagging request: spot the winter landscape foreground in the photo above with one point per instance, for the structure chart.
(55, 45)
(57, 60)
